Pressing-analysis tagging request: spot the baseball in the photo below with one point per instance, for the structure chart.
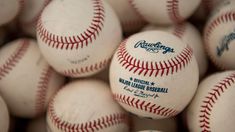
(29, 15)
(86, 105)
(80, 40)
(9, 10)
(165, 125)
(159, 74)
(165, 11)
(27, 82)
(130, 20)
(191, 36)
(212, 109)
(219, 35)
(4, 116)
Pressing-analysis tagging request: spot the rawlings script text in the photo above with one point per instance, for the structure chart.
(153, 47)
(224, 46)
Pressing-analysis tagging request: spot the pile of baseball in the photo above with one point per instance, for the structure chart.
(117, 65)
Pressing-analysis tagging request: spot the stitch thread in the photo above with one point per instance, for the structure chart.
(145, 106)
(132, 25)
(173, 10)
(91, 68)
(14, 58)
(132, 3)
(42, 90)
(210, 100)
(91, 126)
(224, 18)
(78, 41)
(146, 68)
(179, 30)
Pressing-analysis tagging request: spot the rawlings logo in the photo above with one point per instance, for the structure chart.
(154, 47)
(225, 44)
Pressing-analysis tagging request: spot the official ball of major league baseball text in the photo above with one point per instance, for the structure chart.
(154, 74)
(219, 36)
(27, 82)
(86, 106)
(165, 12)
(79, 40)
(212, 109)
(4, 116)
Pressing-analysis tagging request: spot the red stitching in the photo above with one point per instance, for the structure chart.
(153, 68)
(21, 5)
(132, 3)
(35, 19)
(14, 58)
(173, 10)
(91, 68)
(179, 30)
(224, 18)
(145, 106)
(71, 42)
(210, 100)
(132, 25)
(94, 125)
(42, 90)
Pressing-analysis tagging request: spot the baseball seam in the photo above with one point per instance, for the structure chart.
(210, 100)
(145, 106)
(179, 30)
(132, 3)
(93, 125)
(42, 90)
(165, 67)
(132, 25)
(14, 58)
(173, 10)
(76, 41)
(79, 71)
(224, 18)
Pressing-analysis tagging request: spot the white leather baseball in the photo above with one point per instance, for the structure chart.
(86, 105)
(219, 35)
(9, 10)
(37, 125)
(79, 40)
(27, 82)
(165, 11)
(165, 125)
(131, 21)
(4, 116)
(29, 15)
(153, 74)
(212, 109)
(191, 36)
